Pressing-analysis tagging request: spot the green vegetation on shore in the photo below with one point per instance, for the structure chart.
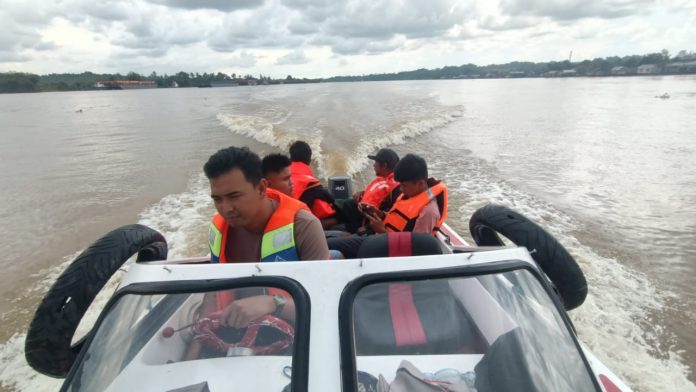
(649, 64)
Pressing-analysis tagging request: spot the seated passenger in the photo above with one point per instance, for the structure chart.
(380, 193)
(276, 170)
(421, 208)
(307, 188)
(254, 223)
(422, 205)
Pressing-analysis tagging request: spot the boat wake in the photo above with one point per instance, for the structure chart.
(330, 158)
(616, 321)
(182, 218)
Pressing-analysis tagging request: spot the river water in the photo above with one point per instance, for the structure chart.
(601, 163)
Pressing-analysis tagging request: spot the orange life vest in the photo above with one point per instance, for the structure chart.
(404, 213)
(379, 193)
(278, 241)
(307, 189)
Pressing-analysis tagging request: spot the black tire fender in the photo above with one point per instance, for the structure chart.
(560, 267)
(48, 346)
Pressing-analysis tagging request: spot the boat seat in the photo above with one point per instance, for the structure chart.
(419, 317)
(420, 245)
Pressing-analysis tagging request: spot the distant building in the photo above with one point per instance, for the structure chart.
(568, 73)
(648, 69)
(681, 67)
(620, 71)
(124, 84)
(683, 55)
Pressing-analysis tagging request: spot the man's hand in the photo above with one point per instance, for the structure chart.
(376, 223)
(241, 312)
(357, 196)
(368, 209)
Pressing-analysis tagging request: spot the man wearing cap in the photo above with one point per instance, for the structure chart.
(380, 192)
(421, 208)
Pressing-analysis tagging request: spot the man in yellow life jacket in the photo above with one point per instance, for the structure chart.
(421, 207)
(276, 170)
(254, 223)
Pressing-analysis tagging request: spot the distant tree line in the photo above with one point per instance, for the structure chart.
(596, 67)
(21, 82)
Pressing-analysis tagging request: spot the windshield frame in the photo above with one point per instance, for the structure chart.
(300, 353)
(349, 381)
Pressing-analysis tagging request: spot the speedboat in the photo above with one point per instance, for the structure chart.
(413, 312)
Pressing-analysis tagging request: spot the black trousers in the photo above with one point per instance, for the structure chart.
(348, 214)
(347, 245)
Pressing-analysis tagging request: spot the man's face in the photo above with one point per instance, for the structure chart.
(236, 199)
(412, 188)
(280, 181)
(380, 169)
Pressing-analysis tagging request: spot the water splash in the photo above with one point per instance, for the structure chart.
(614, 322)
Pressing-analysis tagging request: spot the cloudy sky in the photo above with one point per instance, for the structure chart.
(321, 38)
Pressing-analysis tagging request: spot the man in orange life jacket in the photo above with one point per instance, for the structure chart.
(421, 208)
(381, 193)
(307, 188)
(254, 223)
(276, 170)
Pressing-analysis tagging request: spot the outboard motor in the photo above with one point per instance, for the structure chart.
(340, 187)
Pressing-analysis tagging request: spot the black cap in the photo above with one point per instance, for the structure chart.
(386, 155)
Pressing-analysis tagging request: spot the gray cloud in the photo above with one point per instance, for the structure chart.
(13, 57)
(265, 28)
(107, 10)
(220, 5)
(176, 34)
(297, 56)
(358, 46)
(369, 26)
(575, 9)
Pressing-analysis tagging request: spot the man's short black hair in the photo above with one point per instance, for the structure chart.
(274, 163)
(300, 151)
(411, 168)
(234, 157)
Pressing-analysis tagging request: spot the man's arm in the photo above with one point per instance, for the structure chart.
(427, 219)
(310, 240)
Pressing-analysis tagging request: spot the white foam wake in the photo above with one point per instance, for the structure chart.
(273, 134)
(181, 218)
(613, 322)
(400, 134)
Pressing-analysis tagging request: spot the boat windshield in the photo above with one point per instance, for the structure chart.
(192, 342)
(497, 332)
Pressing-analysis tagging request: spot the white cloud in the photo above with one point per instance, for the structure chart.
(242, 59)
(320, 38)
(296, 56)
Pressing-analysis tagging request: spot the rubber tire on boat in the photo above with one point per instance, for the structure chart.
(47, 347)
(552, 257)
